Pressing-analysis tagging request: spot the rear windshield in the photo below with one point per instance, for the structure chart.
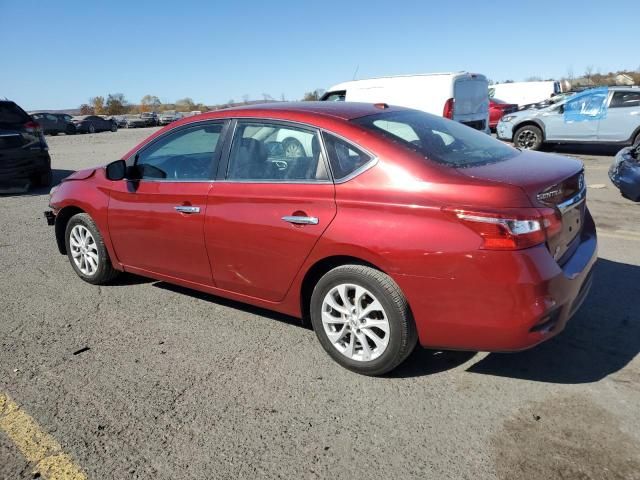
(12, 113)
(437, 138)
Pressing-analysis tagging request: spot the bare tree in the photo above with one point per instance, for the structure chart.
(150, 103)
(533, 78)
(313, 96)
(267, 97)
(588, 74)
(245, 98)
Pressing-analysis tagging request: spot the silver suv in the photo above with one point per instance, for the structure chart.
(607, 115)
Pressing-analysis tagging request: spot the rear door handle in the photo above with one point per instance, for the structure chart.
(187, 209)
(297, 220)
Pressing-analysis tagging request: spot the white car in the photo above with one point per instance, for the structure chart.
(459, 96)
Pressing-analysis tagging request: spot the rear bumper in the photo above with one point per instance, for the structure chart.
(501, 301)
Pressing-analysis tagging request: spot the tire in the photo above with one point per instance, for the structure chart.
(349, 333)
(292, 148)
(528, 137)
(114, 127)
(70, 130)
(636, 141)
(53, 133)
(91, 128)
(44, 179)
(96, 272)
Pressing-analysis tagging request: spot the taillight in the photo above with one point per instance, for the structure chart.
(510, 232)
(447, 111)
(32, 127)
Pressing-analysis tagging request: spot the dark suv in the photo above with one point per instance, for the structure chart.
(24, 155)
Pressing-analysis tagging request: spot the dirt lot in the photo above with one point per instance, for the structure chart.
(177, 384)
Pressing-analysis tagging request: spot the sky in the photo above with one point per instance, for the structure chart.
(58, 54)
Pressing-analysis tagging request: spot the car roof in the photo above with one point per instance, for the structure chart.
(341, 110)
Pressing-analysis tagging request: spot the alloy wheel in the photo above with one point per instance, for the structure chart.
(355, 322)
(527, 139)
(84, 250)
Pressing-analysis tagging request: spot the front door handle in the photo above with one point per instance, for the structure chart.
(187, 209)
(298, 220)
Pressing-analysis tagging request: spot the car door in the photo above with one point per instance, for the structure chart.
(623, 117)
(53, 122)
(267, 210)
(577, 119)
(156, 223)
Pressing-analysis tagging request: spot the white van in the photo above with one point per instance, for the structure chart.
(525, 93)
(460, 96)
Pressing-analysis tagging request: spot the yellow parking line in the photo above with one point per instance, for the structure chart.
(37, 446)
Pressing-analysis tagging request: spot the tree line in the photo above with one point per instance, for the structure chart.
(117, 104)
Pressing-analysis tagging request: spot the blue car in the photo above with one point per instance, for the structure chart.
(607, 115)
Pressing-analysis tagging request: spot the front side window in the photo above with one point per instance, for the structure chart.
(437, 138)
(263, 151)
(625, 99)
(187, 154)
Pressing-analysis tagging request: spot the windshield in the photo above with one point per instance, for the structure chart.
(438, 139)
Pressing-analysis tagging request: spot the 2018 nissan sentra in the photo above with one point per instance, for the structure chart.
(388, 227)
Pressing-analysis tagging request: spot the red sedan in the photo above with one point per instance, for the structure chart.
(384, 226)
(498, 109)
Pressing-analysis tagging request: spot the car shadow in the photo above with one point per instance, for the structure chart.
(600, 340)
(582, 149)
(232, 304)
(57, 175)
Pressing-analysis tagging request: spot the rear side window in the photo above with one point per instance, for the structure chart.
(625, 99)
(437, 138)
(344, 157)
(12, 113)
(275, 152)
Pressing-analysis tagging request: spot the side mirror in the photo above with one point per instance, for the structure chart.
(116, 170)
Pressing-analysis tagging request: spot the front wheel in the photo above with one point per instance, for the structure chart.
(91, 128)
(114, 127)
(362, 319)
(528, 137)
(86, 251)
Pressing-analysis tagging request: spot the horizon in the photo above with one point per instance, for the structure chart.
(216, 53)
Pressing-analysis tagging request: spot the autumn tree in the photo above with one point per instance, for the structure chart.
(116, 104)
(86, 109)
(150, 103)
(98, 104)
(185, 105)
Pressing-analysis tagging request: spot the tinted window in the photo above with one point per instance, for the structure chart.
(274, 152)
(12, 113)
(625, 99)
(184, 155)
(437, 138)
(344, 157)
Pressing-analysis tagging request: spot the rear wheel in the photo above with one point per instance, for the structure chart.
(70, 130)
(528, 137)
(362, 319)
(114, 127)
(91, 128)
(86, 251)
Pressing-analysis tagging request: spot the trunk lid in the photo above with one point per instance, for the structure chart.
(549, 181)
